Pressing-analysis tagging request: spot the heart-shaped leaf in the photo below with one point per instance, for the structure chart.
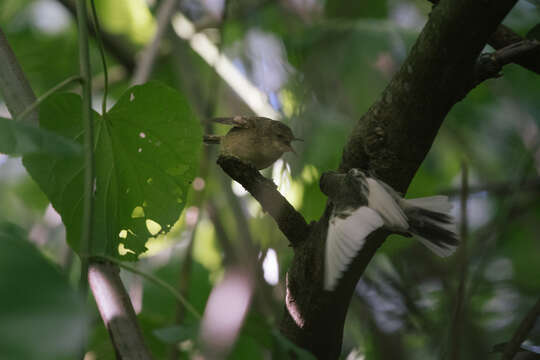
(146, 155)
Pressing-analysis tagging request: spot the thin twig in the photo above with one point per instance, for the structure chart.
(522, 331)
(103, 61)
(456, 331)
(88, 204)
(39, 100)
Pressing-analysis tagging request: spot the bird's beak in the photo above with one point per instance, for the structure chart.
(291, 149)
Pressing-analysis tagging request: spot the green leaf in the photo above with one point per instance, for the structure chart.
(17, 138)
(146, 155)
(42, 316)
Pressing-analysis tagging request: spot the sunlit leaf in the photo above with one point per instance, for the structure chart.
(42, 316)
(136, 21)
(146, 155)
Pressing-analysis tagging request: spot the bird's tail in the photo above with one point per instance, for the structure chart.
(211, 139)
(430, 220)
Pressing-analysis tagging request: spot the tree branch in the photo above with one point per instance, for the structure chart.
(522, 331)
(505, 36)
(289, 221)
(116, 311)
(391, 140)
(490, 65)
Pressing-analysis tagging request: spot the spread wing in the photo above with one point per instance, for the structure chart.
(385, 202)
(347, 232)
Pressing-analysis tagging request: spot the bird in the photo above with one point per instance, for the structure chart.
(257, 141)
(362, 204)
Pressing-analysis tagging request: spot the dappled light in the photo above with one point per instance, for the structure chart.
(196, 228)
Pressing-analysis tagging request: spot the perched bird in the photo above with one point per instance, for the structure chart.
(257, 141)
(363, 204)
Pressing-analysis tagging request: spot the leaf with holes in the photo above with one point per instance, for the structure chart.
(146, 155)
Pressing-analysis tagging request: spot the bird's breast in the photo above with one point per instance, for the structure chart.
(250, 147)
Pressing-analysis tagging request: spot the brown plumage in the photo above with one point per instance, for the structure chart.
(257, 141)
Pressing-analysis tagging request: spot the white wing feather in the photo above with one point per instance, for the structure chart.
(437, 203)
(380, 200)
(344, 239)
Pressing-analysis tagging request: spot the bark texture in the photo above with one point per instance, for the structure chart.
(391, 140)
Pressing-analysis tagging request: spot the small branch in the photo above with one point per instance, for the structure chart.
(290, 222)
(88, 204)
(522, 331)
(117, 312)
(14, 86)
(503, 37)
(456, 331)
(150, 52)
(489, 65)
(97, 29)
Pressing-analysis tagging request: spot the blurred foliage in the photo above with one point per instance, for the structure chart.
(42, 315)
(322, 64)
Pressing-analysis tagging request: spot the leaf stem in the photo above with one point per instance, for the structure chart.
(102, 55)
(84, 60)
(48, 93)
(153, 279)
